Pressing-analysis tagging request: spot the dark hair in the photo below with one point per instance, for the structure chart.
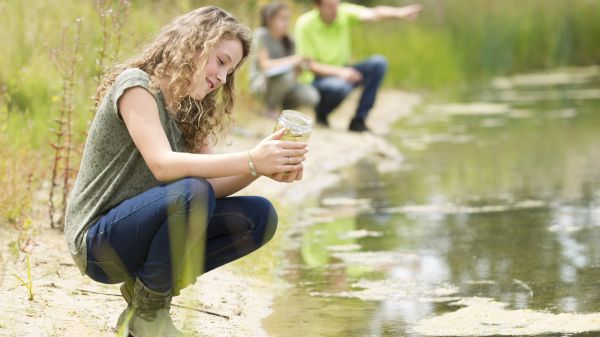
(267, 13)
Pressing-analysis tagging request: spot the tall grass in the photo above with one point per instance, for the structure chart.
(453, 42)
(32, 86)
(65, 58)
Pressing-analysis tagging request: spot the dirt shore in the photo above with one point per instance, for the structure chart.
(69, 304)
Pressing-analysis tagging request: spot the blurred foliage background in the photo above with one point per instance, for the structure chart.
(454, 42)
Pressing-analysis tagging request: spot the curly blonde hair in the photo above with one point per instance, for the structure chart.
(171, 56)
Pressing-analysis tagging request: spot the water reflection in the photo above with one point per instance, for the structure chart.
(496, 214)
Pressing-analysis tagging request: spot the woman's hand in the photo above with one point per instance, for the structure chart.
(288, 177)
(273, 156)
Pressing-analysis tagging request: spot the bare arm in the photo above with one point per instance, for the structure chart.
(322, 69)
(379, 13)
(347, 73)
(266, 62)
(226, 186)
(140, 114)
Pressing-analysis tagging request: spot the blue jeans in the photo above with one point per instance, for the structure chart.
(333, 90)
(172, 233)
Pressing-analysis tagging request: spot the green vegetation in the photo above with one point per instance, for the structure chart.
(29, 282)
(452, 43)
(456, 41)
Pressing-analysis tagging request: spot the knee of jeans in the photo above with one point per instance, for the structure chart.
(197, 191)
(339, 92)
(313, 97)
(266, 218)
(201, 187)
(378, 63)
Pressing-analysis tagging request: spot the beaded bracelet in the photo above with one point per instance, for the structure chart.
(251, 165)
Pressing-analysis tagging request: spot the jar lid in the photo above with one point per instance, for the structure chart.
(296, 121)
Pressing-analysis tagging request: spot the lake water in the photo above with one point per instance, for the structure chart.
(491, 227)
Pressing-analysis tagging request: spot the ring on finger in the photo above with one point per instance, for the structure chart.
(288, 160)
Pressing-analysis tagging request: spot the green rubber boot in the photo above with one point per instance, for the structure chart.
(127, 293)
(150, 313)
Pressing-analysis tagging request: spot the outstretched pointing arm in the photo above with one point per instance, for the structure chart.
(379, 13)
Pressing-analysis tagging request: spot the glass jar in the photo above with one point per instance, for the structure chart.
(299, 126)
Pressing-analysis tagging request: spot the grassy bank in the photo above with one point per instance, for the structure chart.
(453, 42)
(457, 41)
(52, 56)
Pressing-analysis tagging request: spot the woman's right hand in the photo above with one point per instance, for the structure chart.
(272, 155)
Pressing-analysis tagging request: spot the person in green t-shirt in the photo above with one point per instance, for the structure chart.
(151, 206)
(274, 64)
(323, 35)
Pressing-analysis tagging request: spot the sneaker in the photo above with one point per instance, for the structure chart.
(358, 125)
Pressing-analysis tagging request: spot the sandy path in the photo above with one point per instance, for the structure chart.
(69, 304)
